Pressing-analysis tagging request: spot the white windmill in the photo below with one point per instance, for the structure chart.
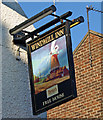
(54, 55)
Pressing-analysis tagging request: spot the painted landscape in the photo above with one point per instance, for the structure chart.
(50, 65)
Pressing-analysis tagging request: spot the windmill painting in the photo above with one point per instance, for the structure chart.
(50, 65)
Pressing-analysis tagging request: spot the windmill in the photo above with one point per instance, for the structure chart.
(54, 56)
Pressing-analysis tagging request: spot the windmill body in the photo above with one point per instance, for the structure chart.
(54, 56)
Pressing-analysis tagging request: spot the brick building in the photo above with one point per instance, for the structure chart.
(89, 82)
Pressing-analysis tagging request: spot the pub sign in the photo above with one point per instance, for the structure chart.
(51, 69)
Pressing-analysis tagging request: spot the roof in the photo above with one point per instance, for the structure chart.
(82, 41)
(14, 5)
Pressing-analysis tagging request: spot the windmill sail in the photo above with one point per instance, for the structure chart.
(54, 56)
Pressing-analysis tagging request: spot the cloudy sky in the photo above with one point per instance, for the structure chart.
(41, 58)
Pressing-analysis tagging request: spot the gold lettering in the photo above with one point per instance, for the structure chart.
(39, 44)
(44, 41)
(61, 31)
(33, 47)
(56, 35)
(47, 39)
(52, 38)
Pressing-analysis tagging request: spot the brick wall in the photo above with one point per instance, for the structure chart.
(89, 82)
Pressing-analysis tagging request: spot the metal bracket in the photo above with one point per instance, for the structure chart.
(20, 36)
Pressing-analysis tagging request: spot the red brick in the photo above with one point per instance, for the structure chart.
(88, 83)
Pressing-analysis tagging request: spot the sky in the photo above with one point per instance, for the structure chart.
(41, 58)
(77, 9)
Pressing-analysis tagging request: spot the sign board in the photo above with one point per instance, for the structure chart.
(51, 69)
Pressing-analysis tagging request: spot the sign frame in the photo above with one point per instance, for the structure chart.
(30, 48)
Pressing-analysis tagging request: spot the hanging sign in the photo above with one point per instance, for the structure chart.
(51, 69)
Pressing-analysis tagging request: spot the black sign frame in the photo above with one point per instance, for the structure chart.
(67, 88)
